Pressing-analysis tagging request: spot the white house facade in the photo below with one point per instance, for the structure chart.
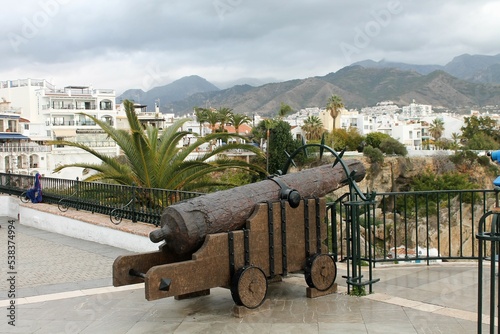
(59, 114)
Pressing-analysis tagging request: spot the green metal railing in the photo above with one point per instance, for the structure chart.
(420, 227)
(129, 202)
(394, 227)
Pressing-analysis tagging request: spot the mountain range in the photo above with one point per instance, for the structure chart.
(468, 81)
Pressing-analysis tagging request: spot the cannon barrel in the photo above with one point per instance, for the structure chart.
(185, 225)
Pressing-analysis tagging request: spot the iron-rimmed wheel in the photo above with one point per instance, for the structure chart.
(62, 205)
(115, 216)
(320, 271)
(249, 287)
(24, 197)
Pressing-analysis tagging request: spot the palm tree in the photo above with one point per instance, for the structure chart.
(238, 120)
(455, 137)
(285, 109)
(158, 160)
(201, 116)
(224, 117)
(269, 124)
(436, 128)
(313, 128)
(334, 106)
(212, 117)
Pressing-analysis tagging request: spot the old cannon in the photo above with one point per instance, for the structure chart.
(242, 237)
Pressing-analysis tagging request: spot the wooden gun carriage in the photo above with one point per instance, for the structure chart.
(270, 229)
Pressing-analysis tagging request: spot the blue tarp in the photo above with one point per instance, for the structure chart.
(35, 193)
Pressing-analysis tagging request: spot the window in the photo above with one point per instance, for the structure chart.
(59, 138)
(105, 105)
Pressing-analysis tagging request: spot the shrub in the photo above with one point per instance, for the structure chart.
(392, 146)
(374, 139)
(375, 155)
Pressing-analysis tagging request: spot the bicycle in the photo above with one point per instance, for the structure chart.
(115, 215)
(24, 197)
(62, 205)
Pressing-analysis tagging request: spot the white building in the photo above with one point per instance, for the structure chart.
(408, 133)
(58, 114)
(417, 110)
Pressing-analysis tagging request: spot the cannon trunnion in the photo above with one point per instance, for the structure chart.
(276, 240)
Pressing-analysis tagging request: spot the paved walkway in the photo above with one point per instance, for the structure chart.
(63, 285)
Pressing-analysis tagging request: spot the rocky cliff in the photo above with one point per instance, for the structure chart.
(451, 228)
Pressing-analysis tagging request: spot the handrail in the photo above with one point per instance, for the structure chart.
(95, 197)
(418, 226)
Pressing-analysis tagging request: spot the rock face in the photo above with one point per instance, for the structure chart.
(396, 173)
(452, 239)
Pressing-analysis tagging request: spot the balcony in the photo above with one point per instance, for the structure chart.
(9, 148)
(70, 123)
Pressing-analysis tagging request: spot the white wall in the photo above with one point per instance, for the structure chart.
(9, 207)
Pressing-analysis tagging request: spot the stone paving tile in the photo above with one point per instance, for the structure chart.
(45, 265)
(75, 296)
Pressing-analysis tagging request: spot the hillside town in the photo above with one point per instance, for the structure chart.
(35, 112)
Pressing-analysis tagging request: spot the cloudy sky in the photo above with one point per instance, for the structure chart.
(142, 44)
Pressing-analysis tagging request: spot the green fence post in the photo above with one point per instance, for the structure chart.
(134, 211)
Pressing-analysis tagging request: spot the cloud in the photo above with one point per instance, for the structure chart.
(125, 44)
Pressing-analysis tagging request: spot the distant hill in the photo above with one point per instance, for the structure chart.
(465, 82)
(475, 68)
(358, 86)
(175, 91)
(422, 69)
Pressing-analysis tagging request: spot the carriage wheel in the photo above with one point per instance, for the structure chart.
(320, 271)
(249, 287)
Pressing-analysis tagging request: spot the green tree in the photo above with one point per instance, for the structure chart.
(436, 128)
(334, 106)
(481, 141)
(201, 116)
(445, 144)
(474, 125)
(280, 140)
(285, 109)
(392, 146)
(212, 117)
(375, 155)
(238, 120)
(374, 139)
(158, 160)
(313, 126)
(349, 139)
(455, 137)
(224, 117)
